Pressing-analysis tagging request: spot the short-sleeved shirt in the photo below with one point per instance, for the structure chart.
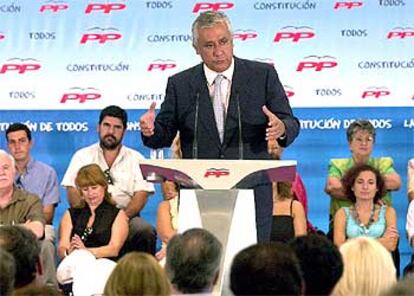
(338, 167)
(41, 180)
(23, 206)
(410, 176)
(125, 172)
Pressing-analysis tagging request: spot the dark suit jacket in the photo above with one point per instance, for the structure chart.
(254, 84)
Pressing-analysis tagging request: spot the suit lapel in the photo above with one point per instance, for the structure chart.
(239, 82)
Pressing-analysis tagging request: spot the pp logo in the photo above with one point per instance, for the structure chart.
(81, 95)
(20, 66)
(400, 33)
(2, 36)
(212, 6)
(104, 8)
(216, 173)
(54, 7)
(348, 4)
(161, 65)
(295, 34)
(101, 38)
(244, 35)
(317, 63)
(375, 92)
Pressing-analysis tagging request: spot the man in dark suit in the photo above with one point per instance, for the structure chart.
(252, 99)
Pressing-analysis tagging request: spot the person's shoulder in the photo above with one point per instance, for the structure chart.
(188, 73)
(253, 65)
(46, 168)
(87, 150)
(25, 195)
(339, 162)
(131, 153)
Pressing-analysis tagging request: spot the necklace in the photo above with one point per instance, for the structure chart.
(364, 228)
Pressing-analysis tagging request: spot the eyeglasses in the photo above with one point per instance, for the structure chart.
(108, 177)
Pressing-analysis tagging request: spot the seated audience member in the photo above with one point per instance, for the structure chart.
(94, 230)
(266, 269)
(41, 180)
(320, 262)
(7, 272)
(193, 261)
(125, 181)
(361, 139)
(368, 268)
(167, 216)
(404, 287)
(298, 188)
(25, 248)
(364, 187)
(97, 224)
(289, 220)
(410, 180)
(137, 274)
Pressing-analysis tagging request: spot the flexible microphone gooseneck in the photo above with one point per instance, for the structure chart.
(195, 140)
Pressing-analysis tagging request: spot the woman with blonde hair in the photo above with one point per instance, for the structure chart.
(137, 274)
(368, 268)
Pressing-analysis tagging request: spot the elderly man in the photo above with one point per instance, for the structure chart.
(40, 179)
(18, 206)
(193, 261)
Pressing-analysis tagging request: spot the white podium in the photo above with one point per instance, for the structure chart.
(220, 201)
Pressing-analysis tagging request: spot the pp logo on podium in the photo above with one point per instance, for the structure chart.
(216, 173)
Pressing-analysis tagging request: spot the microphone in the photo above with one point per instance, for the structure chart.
(195, 141)
(239, 121)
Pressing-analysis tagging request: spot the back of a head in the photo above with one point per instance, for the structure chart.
(266, 269)
(404, 287)
(320, 262)
(368, 268)
(193, 260)
(137, 274)
(25, 248)
(7, 272)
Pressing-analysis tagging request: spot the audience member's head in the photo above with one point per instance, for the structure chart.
(320, 262)
(264, 269)
(114, 111)
(368, 268)
(38, 291)
(404, 287)
(7, 170)
(25, 248)
(15, 127)
(359, 126)
(7, 272)
(193, 261)
(137, 274)
(350, 178)
(92, 175)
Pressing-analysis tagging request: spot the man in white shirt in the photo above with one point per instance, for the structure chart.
(120, 164)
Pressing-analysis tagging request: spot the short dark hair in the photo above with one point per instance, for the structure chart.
(17, 126)
(114, 111)
(25, 248)
(348, 181)
(360, 125)
(264, 269)
(193, 260)
(7, 272)
(320, 262)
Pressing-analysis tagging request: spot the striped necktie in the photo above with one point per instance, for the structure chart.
(218, 106)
